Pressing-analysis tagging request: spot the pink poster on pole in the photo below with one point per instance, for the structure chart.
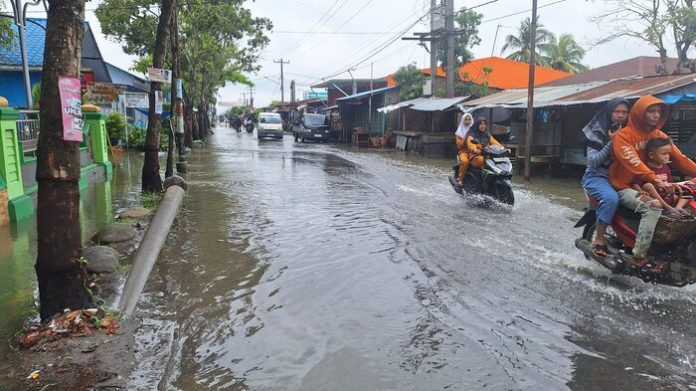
(71, 107)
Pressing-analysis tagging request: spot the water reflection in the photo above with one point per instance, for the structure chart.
(18, 244)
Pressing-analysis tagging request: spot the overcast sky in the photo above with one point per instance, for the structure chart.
(316, 55)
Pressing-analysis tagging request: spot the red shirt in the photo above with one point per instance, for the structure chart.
(664, 173)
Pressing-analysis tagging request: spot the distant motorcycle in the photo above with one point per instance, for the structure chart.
(493, 179)
(249, 125)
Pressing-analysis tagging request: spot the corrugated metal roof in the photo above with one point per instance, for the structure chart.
(588, 93)
(634, 88)
(396, 106)
(518, 98)
(438, 104)
(364, 94)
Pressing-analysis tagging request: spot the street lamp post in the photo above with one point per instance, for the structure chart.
(20, 18)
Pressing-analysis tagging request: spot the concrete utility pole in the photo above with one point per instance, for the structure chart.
(251, 97)
(282, 79)
(433, 50)
(530, 96)
(292, 92)
(449, 28)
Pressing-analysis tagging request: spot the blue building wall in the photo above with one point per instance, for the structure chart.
(12, 86)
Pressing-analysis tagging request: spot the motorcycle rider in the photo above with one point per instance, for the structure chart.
(460, 138)
(477, 139)
(598, 135)
(648, 115)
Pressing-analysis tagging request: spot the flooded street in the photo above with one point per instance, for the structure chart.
(305, 267)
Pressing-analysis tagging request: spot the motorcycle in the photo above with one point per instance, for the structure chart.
(673, 246)
(237, 125)
(249, 126)
(493, 179)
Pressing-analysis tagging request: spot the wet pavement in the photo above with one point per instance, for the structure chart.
(308, 267)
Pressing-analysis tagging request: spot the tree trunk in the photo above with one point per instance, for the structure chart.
(60, 274)
(151, 180)
(188, 129)
(173, 36)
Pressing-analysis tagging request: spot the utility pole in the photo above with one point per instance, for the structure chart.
(251, 97)
(20, 18)
(282, 79)
(433, 50)
(449, 27)
(530, 96)
(244, 98)
(292, 93)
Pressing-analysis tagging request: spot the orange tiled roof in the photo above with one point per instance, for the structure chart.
(507, 74)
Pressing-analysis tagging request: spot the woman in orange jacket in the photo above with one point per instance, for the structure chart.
(460, 138)
(477, 138)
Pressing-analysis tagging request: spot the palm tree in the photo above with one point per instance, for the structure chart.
(564, 54)
(520, 43)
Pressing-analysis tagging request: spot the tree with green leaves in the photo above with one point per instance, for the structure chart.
(410, 80)
(520, 43)
(468, 21)
(563, 54)
(219, 41)
(652, 22)
(6, 30)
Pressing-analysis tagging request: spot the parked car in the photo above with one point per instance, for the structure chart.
(270, 125)
(313, 127)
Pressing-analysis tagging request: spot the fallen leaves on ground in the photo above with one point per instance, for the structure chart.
(70, 324)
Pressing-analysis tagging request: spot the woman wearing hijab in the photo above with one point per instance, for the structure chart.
(460, 135)
(599, 135)
(477, 138)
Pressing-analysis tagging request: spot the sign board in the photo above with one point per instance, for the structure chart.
(137, 100)
(102, 94)
(159, 75)
(70, 90)
(159, 102)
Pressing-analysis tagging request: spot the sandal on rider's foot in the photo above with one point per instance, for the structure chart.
(600, 250)
(650, 267)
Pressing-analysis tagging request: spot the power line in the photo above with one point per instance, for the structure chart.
(365, 46)
(523, 12)
(379, 48)
(338, 29)
(317, 25)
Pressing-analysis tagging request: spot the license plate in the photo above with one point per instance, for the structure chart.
(318, 135)
(500, 160)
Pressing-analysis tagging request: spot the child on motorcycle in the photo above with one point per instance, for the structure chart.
(659, 150)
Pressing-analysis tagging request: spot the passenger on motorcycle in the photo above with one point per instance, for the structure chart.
(460, 138)
(477, 139)
(598, 135)
(659, 150)
(648, 115)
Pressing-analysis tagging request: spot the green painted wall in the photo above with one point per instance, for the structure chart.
(10, 160)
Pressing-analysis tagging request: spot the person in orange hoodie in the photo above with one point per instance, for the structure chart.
(648, 115)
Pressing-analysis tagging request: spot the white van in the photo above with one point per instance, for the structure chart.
(270, 125)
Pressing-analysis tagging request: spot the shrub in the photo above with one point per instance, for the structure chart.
(115, 124)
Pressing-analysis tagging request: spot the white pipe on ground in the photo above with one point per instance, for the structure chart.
(149, 249)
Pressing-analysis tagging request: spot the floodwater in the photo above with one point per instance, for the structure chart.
(98, 204)
(306, 267)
